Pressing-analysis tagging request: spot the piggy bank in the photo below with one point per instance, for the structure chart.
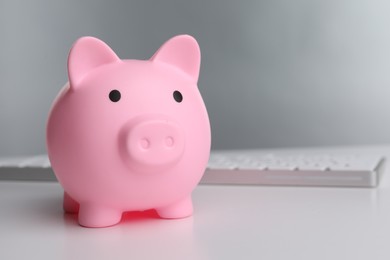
(129, 135)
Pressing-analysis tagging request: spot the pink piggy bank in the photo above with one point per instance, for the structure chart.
(129, 135)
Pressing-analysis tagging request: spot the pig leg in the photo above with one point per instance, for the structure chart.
(69, 204)
(95, 215)
(180, 209)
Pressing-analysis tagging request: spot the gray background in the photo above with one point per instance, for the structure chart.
(274, 73)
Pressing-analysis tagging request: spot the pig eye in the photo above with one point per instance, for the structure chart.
(177, 96)
(114, 95)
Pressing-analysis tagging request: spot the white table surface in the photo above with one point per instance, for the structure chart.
(230, 222)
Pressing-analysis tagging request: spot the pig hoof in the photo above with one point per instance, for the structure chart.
(70, 205)
(179, 209)
(98, 216)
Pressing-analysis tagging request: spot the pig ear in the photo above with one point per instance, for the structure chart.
(182, 52)
(87, 54)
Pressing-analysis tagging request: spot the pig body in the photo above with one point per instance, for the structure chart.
(129, 135)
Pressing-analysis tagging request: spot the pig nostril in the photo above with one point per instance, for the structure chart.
(145, 143)
(169, 141)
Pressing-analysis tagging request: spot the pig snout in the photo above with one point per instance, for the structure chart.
(153, 141)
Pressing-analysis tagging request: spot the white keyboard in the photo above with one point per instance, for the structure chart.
(246, 167)
(292, 168)
(26, 168)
